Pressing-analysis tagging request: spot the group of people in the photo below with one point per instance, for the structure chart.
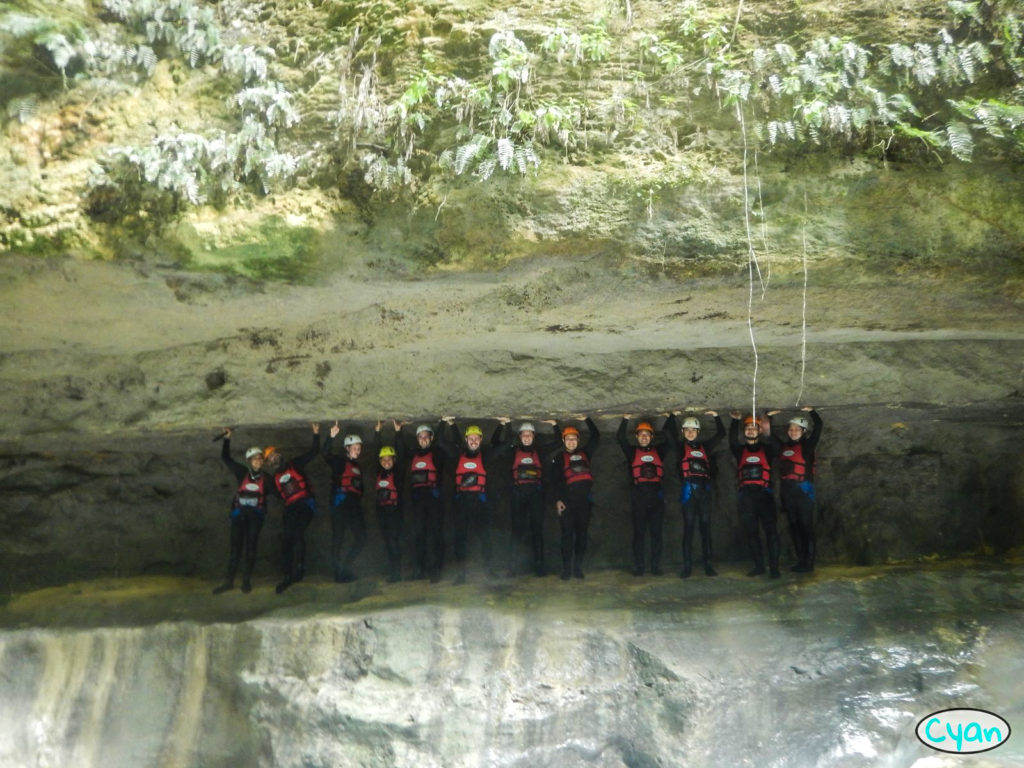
(559, 472)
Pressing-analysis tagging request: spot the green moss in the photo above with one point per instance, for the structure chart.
(277, 251)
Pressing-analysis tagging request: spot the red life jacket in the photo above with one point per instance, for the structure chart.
(351, 480)
(794, 464)
(576, 467)
(526, 468)
(423, 471)
(470, 474)
(250, 493)
(647, 466)
(753, 468)
(291, 485)
(694, 464)
(387, 488)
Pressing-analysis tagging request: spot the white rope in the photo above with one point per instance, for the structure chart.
(752, 264)
(764, 226)
(803, 317)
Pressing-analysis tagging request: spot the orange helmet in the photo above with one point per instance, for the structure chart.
(644, 425)
(750, 420)
(570, 431)
(269, 451)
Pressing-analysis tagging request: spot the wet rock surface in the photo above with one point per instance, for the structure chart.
(835, 669)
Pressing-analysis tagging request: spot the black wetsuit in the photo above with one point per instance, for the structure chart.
(526, 497)
(389, 508)
(297, 515)
(645, 467)
(572, 483)
(798, 499)
(755, 502)
(247, 515)
(693, 460)
(470, 501)
(346, 510)
(427, 509)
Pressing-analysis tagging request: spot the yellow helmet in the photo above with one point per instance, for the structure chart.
(386, 450)
(474, 430)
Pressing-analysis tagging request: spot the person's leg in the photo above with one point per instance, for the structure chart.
(237, 538)
(460, 521)
(535, 513)
(656, 524)
(253, 526)
(337, 537)
(688, 502)
(703, 514)
(638, 513)
(768, 518)
(748, 508)
(518, 508)
(356, 522)
(581, 525)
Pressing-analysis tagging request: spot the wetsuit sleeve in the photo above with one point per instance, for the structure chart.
(238, 470)
(770, 440)
(670, 442)
(501, 443)
(734, 438)
(301, 461)
(620, 436)
(334, 462)
(671, 430)
(442, 447)
(715, 439)
(554, 465)
(595, 437)
(812, 441)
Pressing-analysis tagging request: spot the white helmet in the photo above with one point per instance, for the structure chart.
(353, 440)
(423, 428)
(691, 422)
(526, 427)
(254, 451)
(801, 421)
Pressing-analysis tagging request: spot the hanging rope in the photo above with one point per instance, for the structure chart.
(803, 316)
(752, 265)
(764, 226)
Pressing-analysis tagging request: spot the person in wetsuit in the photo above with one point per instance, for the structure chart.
(572, 481)
(526, 495)
(755, 503)
(291, 485)
(645, 462)
(695, 473)
(470, 501)
(346, 502)
(387, 498)
(426, 463)
(248, 509)
(796, 475)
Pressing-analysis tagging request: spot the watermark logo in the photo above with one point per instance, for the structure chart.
(963, 731)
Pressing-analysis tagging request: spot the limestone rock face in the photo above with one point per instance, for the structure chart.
(599, 673)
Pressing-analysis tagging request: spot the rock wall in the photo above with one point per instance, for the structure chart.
(595, 674)
(894, 484)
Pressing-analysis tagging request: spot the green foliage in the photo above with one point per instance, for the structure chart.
(837, 90)
(198, 168)
(498, 120)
